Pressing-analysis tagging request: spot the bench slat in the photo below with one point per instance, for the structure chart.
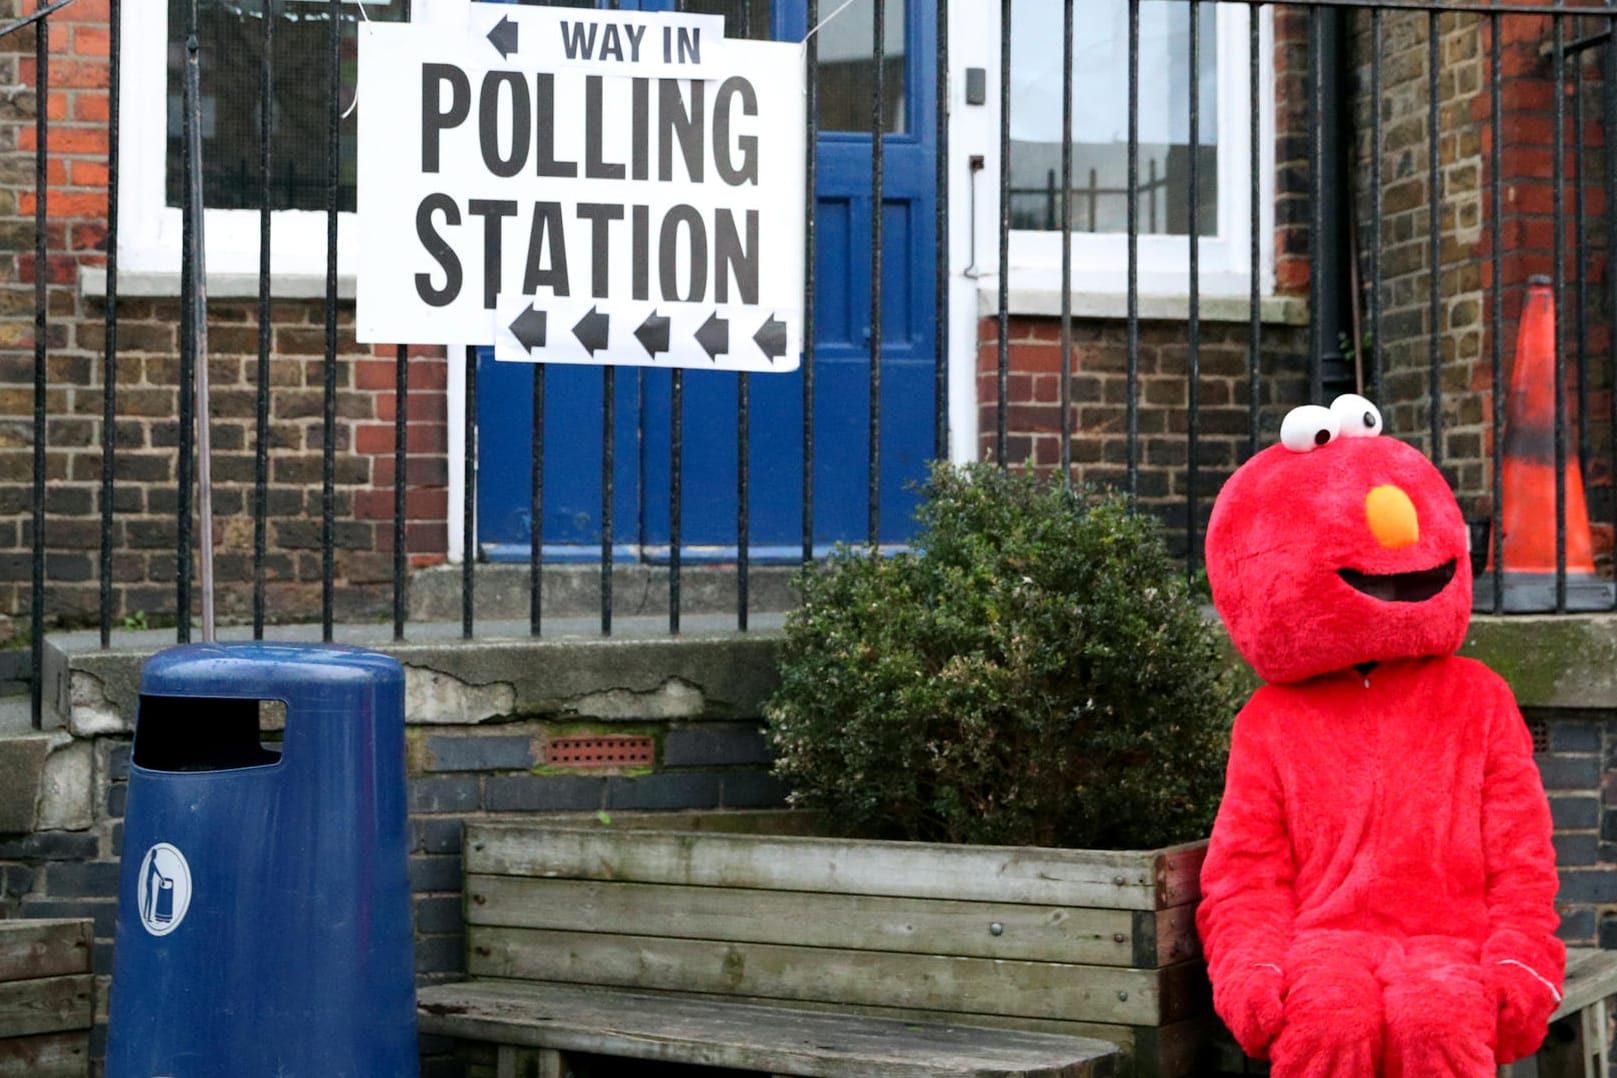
(747, 1037)
(49, 1005)
(853, 922)
(1104, 879)
(33, 949)
(58, 1055)
(1032, 989)
(1591, 974)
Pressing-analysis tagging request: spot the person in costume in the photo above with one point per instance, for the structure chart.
(1378, 895)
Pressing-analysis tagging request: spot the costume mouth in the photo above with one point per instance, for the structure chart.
(1400, 587)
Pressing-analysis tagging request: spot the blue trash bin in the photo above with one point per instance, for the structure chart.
(264, 905)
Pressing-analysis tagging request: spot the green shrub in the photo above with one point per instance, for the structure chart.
(1037, 674)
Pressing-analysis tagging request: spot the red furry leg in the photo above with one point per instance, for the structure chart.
(1333, 1008)
(1441, 1017)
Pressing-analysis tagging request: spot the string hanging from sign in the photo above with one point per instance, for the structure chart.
(846, 4)
(354, 104)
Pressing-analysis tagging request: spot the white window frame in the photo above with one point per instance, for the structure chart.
(1100, 262)
(149, 230)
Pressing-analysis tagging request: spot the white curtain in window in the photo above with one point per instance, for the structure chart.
(1100, 83)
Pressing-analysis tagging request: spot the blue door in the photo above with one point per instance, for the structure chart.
(642, 457)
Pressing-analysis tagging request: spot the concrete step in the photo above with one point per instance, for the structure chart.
(569, 591)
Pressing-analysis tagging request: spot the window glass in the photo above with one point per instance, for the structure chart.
(847, 68)
(1100, 119)
(230, 35)
(742, 18)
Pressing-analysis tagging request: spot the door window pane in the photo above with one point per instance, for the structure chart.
(230, 36)
(742, 18)
(1100, 119)
(848, 65)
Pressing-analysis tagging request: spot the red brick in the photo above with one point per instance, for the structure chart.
(85, 173)
(1036, 357)
(89, 237)
(1033, 417)
(68, 204)
(91, 11)
(419, 504)
(418, 536)
(427, 407)
(374, 374)
(59, 269)
(92, 41)
(70, 74)
(1291, 276)
(91, 105)
(377, 439)
(69, 140)
(419, 471)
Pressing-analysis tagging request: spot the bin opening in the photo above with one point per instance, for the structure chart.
(200, 733)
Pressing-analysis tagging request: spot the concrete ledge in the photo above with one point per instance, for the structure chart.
(1113, 306)
(22, 770)
(708, 672)
(1551, 660)
(159, 284)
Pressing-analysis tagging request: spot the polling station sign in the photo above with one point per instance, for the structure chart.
(578, 186)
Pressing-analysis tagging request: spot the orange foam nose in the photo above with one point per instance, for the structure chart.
(1392, 518)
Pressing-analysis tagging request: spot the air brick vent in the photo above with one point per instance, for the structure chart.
(601, 751)
(1540, 729)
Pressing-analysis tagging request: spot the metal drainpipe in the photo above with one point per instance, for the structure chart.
(1331, 273)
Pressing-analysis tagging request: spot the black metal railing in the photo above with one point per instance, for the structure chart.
(1367, 363)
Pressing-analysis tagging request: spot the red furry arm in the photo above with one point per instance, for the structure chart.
(1522, 958)
(1248, 905)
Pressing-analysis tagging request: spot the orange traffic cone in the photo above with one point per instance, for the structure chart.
(1528, 512)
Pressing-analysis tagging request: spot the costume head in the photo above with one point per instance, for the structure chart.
(1338, 547)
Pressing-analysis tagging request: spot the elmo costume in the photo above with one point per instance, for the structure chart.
(1378, 897)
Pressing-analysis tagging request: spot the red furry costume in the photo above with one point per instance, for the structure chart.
(1378, 895)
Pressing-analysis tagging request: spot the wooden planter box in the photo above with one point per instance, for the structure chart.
(1095, 943)
(46, 998)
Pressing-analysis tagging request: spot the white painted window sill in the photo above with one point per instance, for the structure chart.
(1272, 310)
(148, 284)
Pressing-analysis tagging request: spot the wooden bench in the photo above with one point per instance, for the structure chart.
(46, 999)
(575, 954)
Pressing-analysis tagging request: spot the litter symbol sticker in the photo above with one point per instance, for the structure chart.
(164, 892)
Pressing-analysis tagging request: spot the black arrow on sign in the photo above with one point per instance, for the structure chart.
(771, 338)
(714, 336)
(591, 330)
(529, 328)
(504, 36)
(653, 334)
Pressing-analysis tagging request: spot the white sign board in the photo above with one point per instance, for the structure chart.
(577, 186)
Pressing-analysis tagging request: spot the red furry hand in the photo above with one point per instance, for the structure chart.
(1251, 1003)
(1526, 1002)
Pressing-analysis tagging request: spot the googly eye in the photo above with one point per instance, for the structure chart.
(1309, 427)
(1358, 417)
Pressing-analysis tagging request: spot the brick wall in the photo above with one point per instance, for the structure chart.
(1293, 187)
(1578, 761)
(147, 431)
(1466, 324)
(1098, 367)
